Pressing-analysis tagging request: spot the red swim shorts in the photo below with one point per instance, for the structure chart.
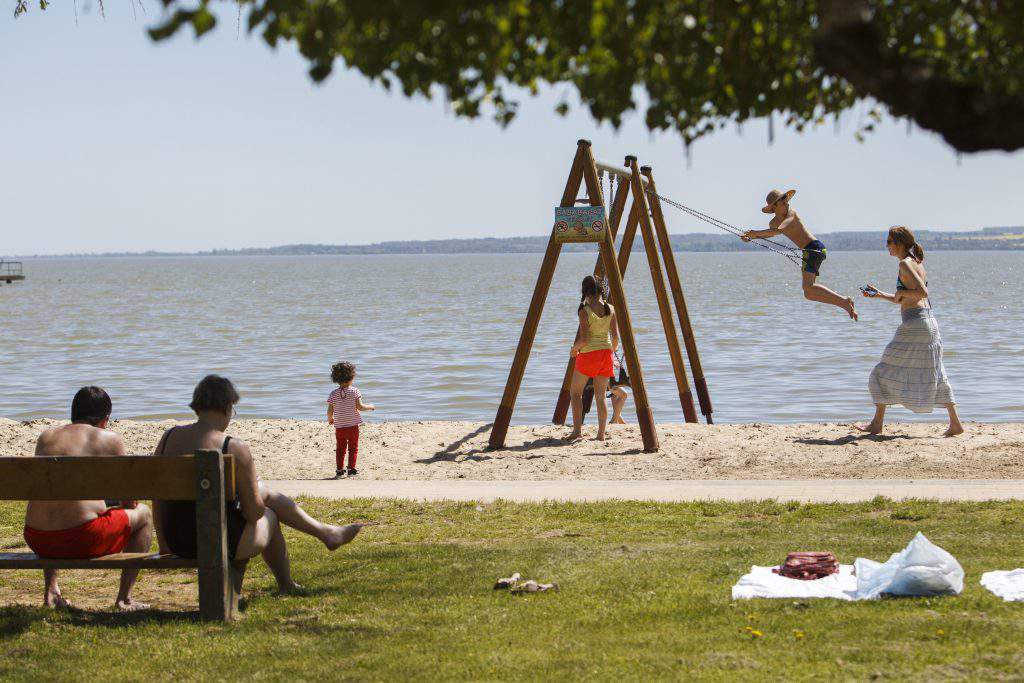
(105, 535)
(596, 363)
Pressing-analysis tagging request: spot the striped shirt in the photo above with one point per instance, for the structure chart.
(344, 400)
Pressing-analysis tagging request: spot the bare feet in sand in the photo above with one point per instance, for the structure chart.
(130, 605)
(851, 309)
(600, 436)
(574, 436)
(870, 428)
(954, 431)
(340, 535)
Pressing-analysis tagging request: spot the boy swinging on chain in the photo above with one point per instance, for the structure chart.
(787, 222)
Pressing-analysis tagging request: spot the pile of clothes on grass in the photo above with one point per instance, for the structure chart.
(808, 566)
(920, 569)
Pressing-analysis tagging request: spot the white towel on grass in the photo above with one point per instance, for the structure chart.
(1008, 585)
(920, 569)
(761, 582)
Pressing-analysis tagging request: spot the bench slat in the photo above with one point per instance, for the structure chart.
(126, 477)
(118, 561)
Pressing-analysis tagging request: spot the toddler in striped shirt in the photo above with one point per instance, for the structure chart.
(343, 406)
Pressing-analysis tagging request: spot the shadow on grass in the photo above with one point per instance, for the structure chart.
(851, 438)
(16, 619)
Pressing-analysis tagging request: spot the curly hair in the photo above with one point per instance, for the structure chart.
(342, 372)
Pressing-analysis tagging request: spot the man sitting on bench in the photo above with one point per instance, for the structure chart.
(84, 529)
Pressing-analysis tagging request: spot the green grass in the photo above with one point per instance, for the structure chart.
(644, 594)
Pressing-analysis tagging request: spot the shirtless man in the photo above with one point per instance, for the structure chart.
(78, 529)
(787, 222)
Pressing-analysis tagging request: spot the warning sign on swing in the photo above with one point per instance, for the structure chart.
(579, 224)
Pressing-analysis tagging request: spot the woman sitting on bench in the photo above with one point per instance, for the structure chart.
(254, 519)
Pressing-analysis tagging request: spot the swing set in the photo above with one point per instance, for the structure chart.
(646, 214)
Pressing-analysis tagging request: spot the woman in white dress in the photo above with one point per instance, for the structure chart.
(911, 371)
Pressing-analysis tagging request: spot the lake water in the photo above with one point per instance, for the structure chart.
(433, 336)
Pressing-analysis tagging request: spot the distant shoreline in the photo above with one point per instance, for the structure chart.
(987, 239)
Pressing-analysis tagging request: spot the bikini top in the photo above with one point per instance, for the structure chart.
(176, 512)
(163, 446)
(900, 286)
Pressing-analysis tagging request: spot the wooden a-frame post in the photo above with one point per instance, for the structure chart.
(646, 214)
(618, 207)
(636, 181)
(700, 384)
(583, 172)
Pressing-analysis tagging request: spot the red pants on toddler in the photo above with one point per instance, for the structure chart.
(347, 439)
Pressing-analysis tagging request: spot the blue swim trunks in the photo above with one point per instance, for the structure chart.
(813, 256)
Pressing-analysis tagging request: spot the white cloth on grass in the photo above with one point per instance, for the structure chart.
(761, 582)
(920, 569)
(1008, 585)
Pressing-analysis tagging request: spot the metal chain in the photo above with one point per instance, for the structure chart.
(778, 248)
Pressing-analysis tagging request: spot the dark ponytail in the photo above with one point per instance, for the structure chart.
(903, 235)
(590, 287)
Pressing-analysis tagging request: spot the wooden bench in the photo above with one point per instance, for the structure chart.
(208, 478)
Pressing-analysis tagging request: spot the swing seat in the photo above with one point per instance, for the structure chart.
(621, 381)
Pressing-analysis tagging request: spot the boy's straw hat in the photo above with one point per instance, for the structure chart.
(774, 197)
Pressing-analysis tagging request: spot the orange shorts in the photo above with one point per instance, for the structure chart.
(596, 363)
(105, 535)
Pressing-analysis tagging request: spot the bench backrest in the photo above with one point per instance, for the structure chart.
(126, 477)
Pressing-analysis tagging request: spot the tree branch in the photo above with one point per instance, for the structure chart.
(850, 45)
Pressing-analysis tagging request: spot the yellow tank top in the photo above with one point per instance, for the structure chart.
(600, 331)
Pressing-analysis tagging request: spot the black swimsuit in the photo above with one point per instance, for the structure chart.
(178, 520)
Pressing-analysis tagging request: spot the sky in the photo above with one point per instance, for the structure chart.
(109, 142)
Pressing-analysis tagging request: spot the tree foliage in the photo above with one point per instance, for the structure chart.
(953, 66)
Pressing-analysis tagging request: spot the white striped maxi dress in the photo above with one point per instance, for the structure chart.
(911, 371)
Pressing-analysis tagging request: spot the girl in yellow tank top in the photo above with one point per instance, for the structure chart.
(593, 352)
(600, 329)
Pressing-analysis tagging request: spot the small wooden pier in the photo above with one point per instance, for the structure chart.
(11, 271)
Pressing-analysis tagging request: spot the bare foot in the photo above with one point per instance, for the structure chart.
(619, 421)
(291, 589)
(340, 535)
(850, 308)
(954, 431)
(574, 436)
(870, 428)
(57, 601)
(129, 605)
(600, 436)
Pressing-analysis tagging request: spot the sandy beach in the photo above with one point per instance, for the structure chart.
(304, 449)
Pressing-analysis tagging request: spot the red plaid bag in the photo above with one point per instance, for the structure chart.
(808, 566)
